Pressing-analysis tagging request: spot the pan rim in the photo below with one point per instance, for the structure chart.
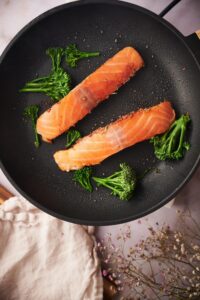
(164, 200)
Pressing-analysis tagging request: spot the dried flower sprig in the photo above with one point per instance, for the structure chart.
(165, 265)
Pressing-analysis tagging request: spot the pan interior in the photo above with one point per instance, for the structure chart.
(170, 72)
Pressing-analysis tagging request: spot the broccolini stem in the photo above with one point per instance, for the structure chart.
(115, 182)
(35, 90)
(89, 54)
(172, 139)
(86, 185)
(178, 134)
(116, 174)
(40, 79)
(102, 181)
(183, 129)
(114, 179)
(36, 142)
(181, 137)
(166, 137)
(33, 84)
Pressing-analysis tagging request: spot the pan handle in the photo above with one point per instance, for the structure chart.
(193, 41)
(4, 194)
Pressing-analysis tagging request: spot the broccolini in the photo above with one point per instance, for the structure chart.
(122, 183)
(57, 84)
(73, 55)
(172, 144)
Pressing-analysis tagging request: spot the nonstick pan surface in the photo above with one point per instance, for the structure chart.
(171, 72)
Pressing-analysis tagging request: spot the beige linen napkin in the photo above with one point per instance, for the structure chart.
(44, 258)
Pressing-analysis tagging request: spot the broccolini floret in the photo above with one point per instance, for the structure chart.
(73, 55)
(122, 183)
(72, 136)
(57, 84)
(83, 176)
(172, 144)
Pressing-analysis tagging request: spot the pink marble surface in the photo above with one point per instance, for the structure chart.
(185, 16)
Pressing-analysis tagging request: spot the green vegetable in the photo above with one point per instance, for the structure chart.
(31, 112)
(172, 144)
(73, 55)
(57, 84)
(83, 176)
(72, 136)
(122, 183)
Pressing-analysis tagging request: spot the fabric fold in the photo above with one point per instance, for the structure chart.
(44, 258)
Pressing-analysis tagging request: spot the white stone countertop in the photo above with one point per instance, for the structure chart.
(14, 14)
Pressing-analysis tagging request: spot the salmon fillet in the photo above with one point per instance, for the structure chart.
(125, 132)
(89, 93)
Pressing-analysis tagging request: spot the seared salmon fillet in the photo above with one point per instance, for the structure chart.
(89, 93)
(125, 132)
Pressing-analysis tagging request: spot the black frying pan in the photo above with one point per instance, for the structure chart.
(171, 72)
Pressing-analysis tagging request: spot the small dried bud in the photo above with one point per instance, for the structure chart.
(195, 294)
(191, 259)
(195, 247)
(110, 277)
(182, 248)
(137, 283)
(104, 273)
